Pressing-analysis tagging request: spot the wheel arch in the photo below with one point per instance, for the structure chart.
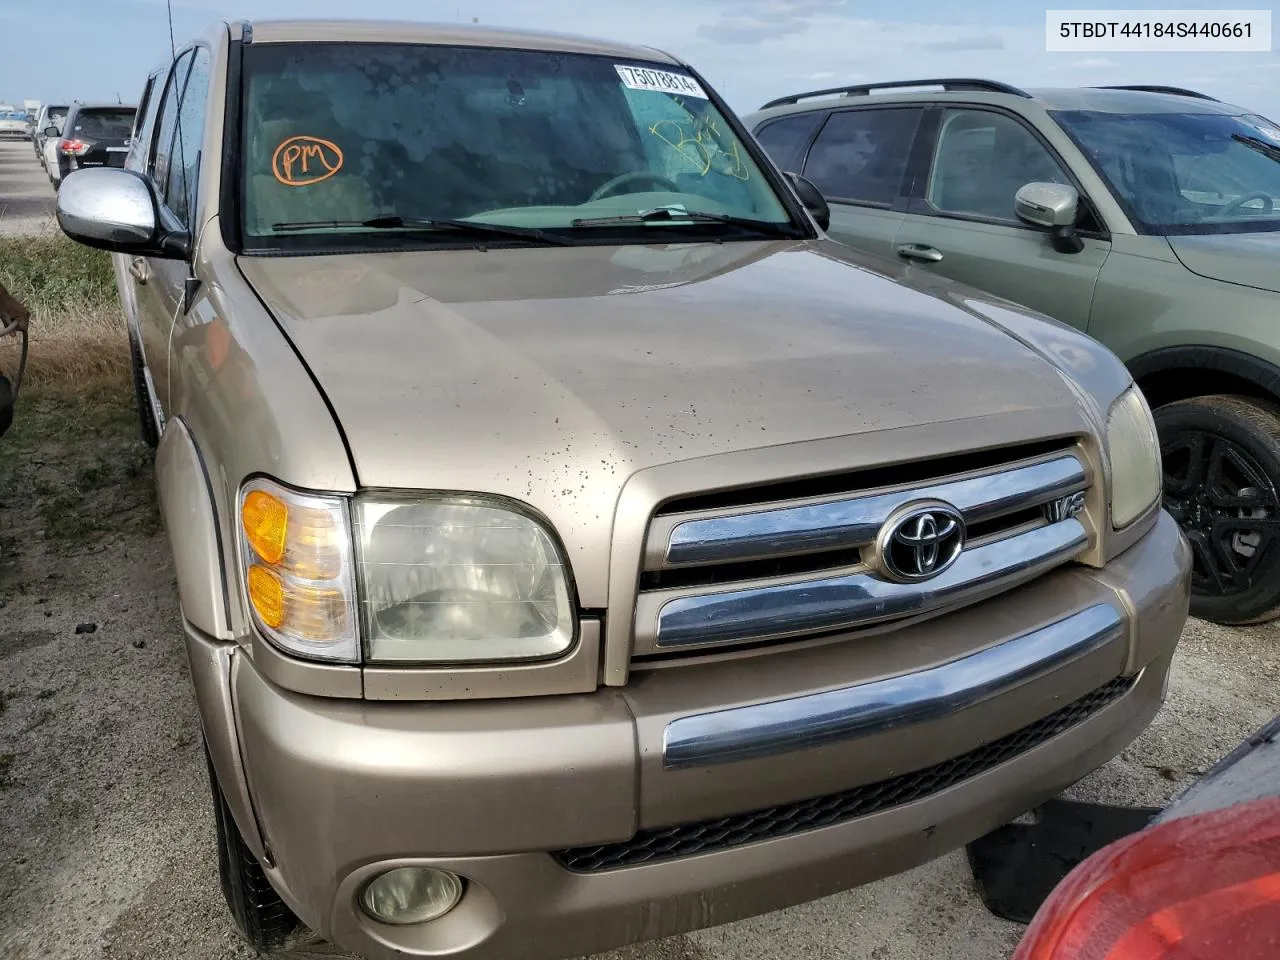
(190, 515)
(1180, 373)
(188, 509)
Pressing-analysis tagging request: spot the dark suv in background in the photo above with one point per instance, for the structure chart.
(1147, 216)
(93, 135)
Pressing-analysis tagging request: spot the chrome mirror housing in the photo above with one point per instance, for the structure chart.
(1047, 204)
(116, 210)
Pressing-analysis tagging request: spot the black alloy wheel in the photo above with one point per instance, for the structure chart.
(1221, 461)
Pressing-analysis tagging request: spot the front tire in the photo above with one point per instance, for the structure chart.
(263, 919)
(1222, 484)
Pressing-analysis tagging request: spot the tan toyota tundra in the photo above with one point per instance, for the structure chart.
(575, 546)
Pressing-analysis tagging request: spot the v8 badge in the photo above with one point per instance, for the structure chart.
(1064, 508)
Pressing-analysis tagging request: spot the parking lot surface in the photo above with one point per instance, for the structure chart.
(108, 843)
(26, 197)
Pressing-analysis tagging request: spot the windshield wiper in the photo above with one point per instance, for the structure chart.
(680, 215)
(392, 221)
(1257, 143)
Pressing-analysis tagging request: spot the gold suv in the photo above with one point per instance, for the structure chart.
(575, 546)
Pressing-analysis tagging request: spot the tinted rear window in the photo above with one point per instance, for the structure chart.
(104, 124)
(861, 155)
(785, 139)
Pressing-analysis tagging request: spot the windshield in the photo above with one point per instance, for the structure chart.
(1180, 173)
(336, 135)
(103, 124)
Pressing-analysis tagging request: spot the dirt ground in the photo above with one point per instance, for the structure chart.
(106, 836)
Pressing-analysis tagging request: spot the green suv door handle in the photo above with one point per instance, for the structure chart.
(919, 251)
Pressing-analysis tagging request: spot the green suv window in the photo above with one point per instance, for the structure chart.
(1186, 173)
(981, 160)
(861, 155)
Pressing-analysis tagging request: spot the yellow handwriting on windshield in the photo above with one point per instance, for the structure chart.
(702, 145)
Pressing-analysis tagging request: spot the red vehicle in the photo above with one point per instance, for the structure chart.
(1201, 881)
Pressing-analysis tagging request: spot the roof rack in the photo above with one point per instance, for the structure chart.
(1153, 88)
(948, 84)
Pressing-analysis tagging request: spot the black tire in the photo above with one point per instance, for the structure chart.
(263, 919)
(1222, 484)
(146, 417)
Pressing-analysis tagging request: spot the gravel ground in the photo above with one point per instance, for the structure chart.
(106, 838)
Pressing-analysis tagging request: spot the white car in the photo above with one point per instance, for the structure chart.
(13, 125)
(50, 115)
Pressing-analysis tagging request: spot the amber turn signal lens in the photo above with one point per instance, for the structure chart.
(295, 555)
(266, 521)
(267, 595)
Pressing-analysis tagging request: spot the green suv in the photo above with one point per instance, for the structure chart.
(1147, 216)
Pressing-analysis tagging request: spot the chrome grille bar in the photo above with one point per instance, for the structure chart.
(780, 726)
(684, 619)
(851, 521)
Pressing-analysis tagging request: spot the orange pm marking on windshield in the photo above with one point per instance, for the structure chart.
(302, 161)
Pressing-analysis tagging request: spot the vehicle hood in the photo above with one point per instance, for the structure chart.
(1249, 259)
(551, 375)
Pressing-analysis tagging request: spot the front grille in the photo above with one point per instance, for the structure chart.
(708, 836)
(776, 570)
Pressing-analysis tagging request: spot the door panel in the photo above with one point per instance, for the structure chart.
(865, 228)
(1016, 263)
(961, 224)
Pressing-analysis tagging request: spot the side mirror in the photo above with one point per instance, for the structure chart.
(812, 198)
(50, 132)
(1053, 206)
(116, 210)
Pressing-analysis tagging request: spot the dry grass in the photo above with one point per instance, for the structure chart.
(78, 343)
(72, 467)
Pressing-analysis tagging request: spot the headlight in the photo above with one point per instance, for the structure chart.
(459, 580)
(1135, 458)
(295, 555)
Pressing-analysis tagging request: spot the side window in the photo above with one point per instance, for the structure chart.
(167, 122)
(180, 187)
(144, 104)
(784, 139)
(143, 125)
(982, 159)
(861, 155)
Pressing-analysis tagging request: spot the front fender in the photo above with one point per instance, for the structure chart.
(190, 518)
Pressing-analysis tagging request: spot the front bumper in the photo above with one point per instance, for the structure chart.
(537, 802)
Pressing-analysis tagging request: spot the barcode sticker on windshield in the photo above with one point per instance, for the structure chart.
(663, 81)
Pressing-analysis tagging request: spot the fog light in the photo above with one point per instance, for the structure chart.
(411, 895)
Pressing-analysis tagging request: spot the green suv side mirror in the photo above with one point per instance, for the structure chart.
(1054, 206)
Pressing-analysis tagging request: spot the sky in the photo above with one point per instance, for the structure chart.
(750, 50)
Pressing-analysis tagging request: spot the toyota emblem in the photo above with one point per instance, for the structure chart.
(920, 541)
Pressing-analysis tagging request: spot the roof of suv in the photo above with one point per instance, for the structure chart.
(1101, 99)
(391, 31)
(82, 107)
